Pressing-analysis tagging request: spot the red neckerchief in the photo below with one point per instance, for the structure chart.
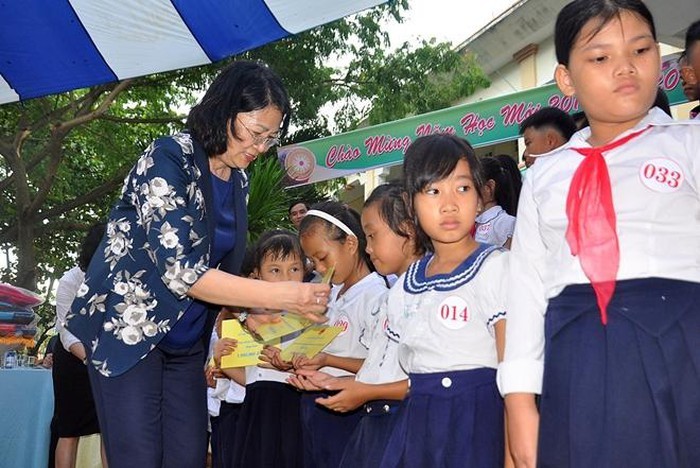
(592, 233)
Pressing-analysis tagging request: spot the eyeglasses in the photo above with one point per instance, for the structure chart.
(258, 139)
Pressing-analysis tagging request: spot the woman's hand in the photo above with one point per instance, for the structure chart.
(218, 287)
(306, 299)
(523, 423)
(257, 317)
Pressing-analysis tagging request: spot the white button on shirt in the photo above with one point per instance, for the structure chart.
(655, 181)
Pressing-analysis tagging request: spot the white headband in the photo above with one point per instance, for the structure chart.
(333, 220)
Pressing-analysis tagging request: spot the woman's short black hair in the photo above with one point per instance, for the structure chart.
(242, 86)
(574, 16)
(90, 244)
(348, 216)
(278, 244)
(433, 158)
(391, 203)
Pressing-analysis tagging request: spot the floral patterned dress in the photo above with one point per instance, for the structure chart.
(157, 245)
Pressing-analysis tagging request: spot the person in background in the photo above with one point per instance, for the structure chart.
(167, 263)
(47, 361)
(545, 130)
(690, 66)
(689, 82)
(297, 211)
(74, 407)
(499, 202)
(516, 178)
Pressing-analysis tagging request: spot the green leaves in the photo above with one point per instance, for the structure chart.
(268, 201)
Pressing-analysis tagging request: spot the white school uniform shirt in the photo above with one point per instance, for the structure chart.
(494, 226)
(382, 362)
(655, 181)
(445, 322)
(355, 311)
(226, 389)
(68, 287)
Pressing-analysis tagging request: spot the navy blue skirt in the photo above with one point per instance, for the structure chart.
(223, 435)
(367, 444)
(449, 419)
(325, 432)
(625, 394)
(269, 428)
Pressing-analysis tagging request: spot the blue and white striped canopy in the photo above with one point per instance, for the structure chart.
(50, 46)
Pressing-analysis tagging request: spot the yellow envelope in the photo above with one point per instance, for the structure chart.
(311, 342)
(248, 348)
(328, 276)
(288, 324)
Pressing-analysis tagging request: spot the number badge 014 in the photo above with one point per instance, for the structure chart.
(453, 313)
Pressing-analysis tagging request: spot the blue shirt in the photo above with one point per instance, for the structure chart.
(190, 327)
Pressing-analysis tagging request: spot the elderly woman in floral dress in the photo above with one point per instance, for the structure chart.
(174, 241)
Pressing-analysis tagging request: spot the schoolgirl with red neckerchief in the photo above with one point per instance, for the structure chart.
(604, 314)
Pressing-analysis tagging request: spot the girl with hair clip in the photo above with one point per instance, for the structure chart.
(380, 383)
(331, 235)
(604, 314)
(495, 224)
(447, 313)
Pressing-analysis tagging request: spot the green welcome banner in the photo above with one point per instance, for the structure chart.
(482, 123)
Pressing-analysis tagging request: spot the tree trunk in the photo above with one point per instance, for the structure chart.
(27, 273)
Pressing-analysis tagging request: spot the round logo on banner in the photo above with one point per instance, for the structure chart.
(343, 322)
(661, 175)
(453, 313)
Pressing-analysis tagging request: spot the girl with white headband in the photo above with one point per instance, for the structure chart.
(331, 235)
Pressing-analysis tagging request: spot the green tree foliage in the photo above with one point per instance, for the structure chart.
(63, 157)
(410, 81)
